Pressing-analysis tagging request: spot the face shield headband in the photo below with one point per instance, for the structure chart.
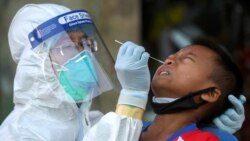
(58, 24)
(181, 104)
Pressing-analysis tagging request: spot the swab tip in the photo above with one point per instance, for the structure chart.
(118, 42)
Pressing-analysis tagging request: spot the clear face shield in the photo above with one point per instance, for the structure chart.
(79, 58)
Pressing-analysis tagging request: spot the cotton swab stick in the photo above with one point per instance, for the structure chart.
(119, 42)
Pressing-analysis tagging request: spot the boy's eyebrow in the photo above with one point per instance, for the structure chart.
(188, 53)
(192, 54)
(184, 51)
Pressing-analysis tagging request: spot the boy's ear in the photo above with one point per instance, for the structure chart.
(212, 96)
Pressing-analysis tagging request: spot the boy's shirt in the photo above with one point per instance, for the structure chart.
(192, 133)
(223, 135)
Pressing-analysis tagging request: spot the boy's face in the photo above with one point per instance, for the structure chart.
(186, 71)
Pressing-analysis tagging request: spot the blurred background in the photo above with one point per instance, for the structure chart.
(161, 26)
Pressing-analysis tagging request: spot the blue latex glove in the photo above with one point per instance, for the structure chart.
(232, 119)
(133, 73)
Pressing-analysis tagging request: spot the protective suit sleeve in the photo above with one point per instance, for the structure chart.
(232, 119)
(115, 127)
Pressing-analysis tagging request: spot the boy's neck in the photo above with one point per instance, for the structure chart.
(166, 125)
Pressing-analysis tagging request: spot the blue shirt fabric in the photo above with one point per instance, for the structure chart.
(222, 135)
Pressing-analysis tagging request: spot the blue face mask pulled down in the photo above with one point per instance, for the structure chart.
(78, 77)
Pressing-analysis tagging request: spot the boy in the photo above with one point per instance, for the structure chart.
(191, 88)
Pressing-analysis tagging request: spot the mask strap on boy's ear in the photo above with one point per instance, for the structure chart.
(181, 104)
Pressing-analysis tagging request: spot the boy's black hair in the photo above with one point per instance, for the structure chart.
(227, 75)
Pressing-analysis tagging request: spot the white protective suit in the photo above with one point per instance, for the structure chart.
(40, 114)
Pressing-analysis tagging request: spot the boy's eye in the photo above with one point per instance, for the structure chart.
(188, 58)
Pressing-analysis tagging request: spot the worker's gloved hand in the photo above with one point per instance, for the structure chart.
(232, 119)
(133, 73)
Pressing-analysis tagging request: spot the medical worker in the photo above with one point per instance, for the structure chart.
(62, 64)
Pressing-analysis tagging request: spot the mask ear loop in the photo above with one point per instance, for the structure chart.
(163, 108)
(199, 92)
(47, 68)
(84, 107)
(204, 91)
(43, 54)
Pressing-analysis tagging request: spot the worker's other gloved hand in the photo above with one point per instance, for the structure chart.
(133, 73)
(232, 119)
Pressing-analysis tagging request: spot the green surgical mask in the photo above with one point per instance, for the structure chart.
(79, 78)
